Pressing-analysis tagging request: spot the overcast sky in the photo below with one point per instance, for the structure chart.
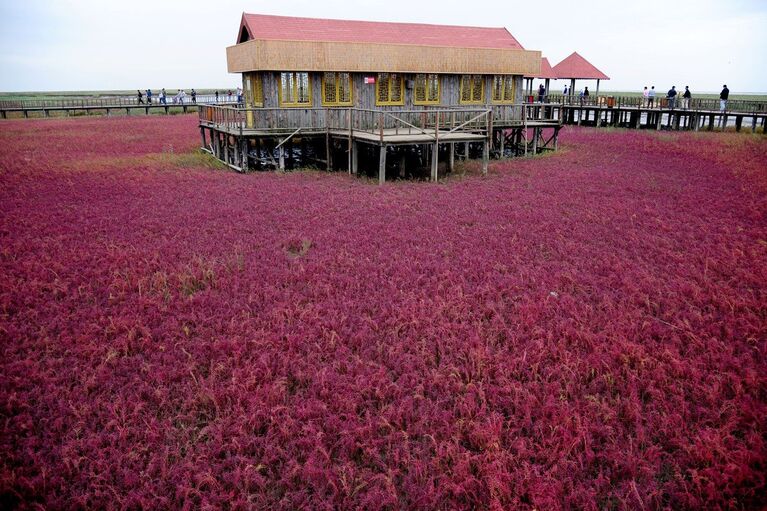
(101, 45)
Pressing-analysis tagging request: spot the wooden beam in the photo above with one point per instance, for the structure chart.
(485, 156)
(382, 165)
(451, 149)
(434, 161)
(355, 157)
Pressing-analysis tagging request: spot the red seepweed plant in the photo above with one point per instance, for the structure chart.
(583, 331)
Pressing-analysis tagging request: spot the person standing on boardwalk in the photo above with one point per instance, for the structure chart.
(645, 95)
(671, 96)
(149, 96)
(140, 97)
(564, 92)
(723, 97)
(194, 96)
(162, 97)
(651, 97)
(541, 93)
(585, 92)
(686, 97)
(216, 96)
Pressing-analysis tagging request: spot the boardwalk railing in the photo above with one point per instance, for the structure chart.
(113, 102)
(659, 102)
(374, 122)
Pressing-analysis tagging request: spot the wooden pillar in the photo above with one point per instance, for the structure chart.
(202, 135)
(382, 165)
(738, 122)
(328, 157)
(434, 161)
(572, 86)
(216, 145)
(753, 124)
(710, 122)
(536, 134)
(465, 151)
(244, 155)
(355, 156)
(597, 94)
(402, 162)
(281, 154)
(502, 144)
(451, 149)
(485, 156)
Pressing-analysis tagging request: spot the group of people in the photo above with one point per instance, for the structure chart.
(177, 99)
(229, 96)
(583, 93)
(648, 97)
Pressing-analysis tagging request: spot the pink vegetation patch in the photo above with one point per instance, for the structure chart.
(585, 330)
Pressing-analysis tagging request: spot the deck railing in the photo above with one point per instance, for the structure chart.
(659, 102)
(374, 122)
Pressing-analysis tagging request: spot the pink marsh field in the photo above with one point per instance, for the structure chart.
(585, 330)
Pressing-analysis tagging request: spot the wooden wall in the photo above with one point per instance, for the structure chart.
(364, 95)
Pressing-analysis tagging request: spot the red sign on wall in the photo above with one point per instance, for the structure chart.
(370, 79)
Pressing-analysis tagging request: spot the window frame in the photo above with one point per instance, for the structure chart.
(480, 101)
(295, 104)
(503, 101)
(389, 102)
(255, 78)
(336, 76)
(427, 88)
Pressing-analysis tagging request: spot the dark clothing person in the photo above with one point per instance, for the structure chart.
(149, 96)
(541, 93)
(216, 96)
(723, 97)
(586, 92)
(140, 98)
(671, 97)
(194, 96)
(686, 98)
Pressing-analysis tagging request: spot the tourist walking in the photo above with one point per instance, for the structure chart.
(564, 92)
(194, 96)
(723, 97)
(239, 96)
(645, 96)
(216, 96)
(163, 97)
(671, 96)
(686, 97)
(541, 93)
(651, 97)
(140, 97)
(585, 92)
(149, 96)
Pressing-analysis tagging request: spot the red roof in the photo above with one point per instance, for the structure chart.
(576, 66)
(288, 28)
(546, 71)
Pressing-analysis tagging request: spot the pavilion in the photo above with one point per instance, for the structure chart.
(576, 67)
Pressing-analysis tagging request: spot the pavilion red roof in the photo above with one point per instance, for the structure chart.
(546, 71)
(576, 66)
(288, 28)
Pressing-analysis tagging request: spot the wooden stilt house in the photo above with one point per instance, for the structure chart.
(356, 91)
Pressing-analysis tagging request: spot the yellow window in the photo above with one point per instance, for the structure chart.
(254, 89)
(503, 89)
(472, 89)
(337, 89)
(426, 89)
(389, 89)
(295, 89)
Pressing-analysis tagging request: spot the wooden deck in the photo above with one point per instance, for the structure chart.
(230, 133)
